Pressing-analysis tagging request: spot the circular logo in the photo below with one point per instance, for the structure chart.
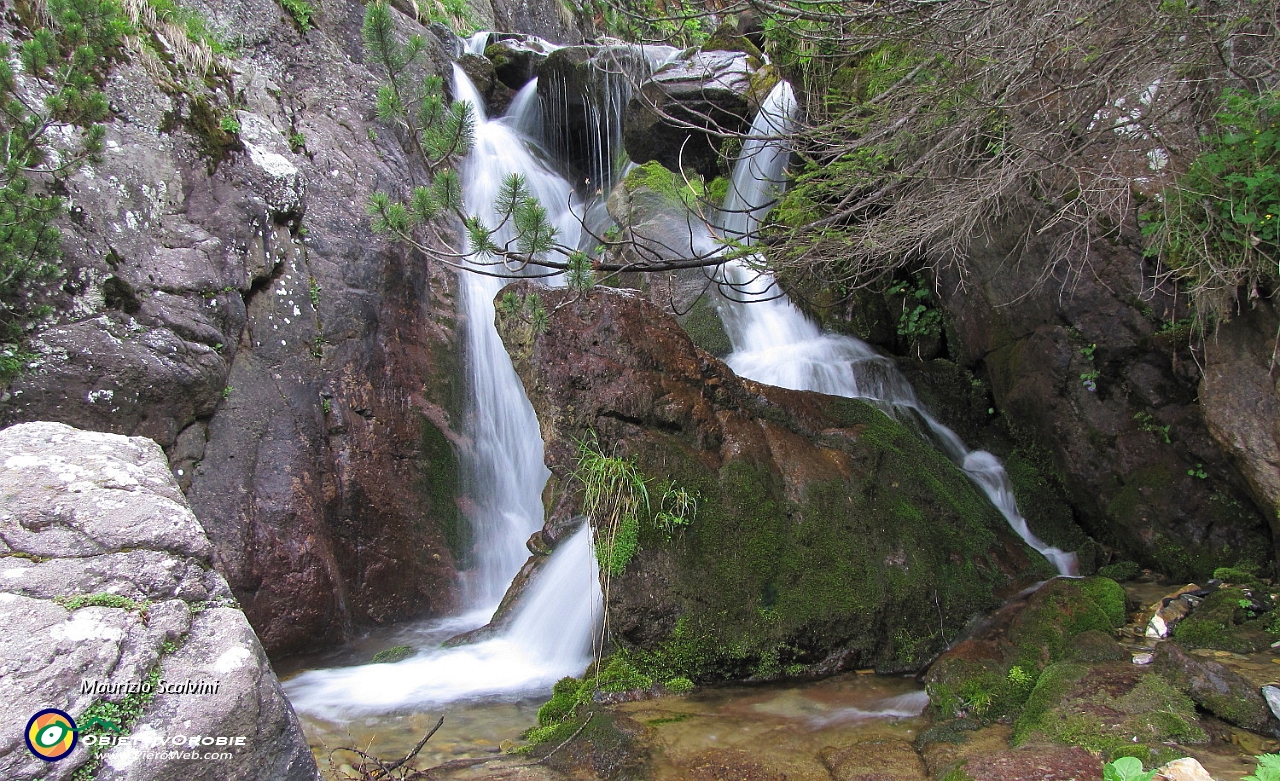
(51, 734)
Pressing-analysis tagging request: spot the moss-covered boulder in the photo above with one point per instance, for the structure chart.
(826, 535)
(1221, 622)
(1115, 709)
(990, 674)
(1215, 687)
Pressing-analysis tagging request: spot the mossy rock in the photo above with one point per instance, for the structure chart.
(1121, 570)
(1114, 709)
(1219, 622)
(394, 654)
(705, 328)
(768, 582)
(727, 39)
(1061, 610)
(978, 691)
(1094, 646)
(1215, 687)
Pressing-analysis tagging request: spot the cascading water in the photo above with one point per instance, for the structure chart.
(773, 342)
(549, 634)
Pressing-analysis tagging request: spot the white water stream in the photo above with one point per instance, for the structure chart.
(773, 342)
(550, 631)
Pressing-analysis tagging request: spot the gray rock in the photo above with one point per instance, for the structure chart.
(98, 516)
(680, 114)
(516, 58)
(1272, 695)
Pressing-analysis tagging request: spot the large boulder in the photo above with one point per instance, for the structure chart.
(826, 535)
(680, 115)
(106, 582)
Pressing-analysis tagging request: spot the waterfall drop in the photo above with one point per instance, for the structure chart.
(774, 343)
(548, 634)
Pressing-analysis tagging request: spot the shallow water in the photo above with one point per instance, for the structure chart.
(782, 726)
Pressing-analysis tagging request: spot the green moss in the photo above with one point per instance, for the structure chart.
(101, 599)
(956, 773)
(204, 121)
(704, 327)
(679, 686)
(1108, 595)
(1121, 570)
(1062, 609)
(440, 481)
(393, 654)
(1219, 623)
(1053, 684)
(566, 696)
(769, 583)
(620, 675)
(653, 176)
(1092, 709)
(727, 39)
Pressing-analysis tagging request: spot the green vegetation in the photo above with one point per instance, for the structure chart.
(1218, 226)
(1223, 621)
(918, 319)
(300, 12)
(1268, 769)
(101, 599)
(396, 653)
(1126, 769)
(66, 56)
(123, 714)
(615, 494)
(229, 126)
(1148, 424)
(1120, 570)
(1102, 712)
(678, 686)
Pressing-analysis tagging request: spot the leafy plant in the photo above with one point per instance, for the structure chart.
(1198, 472)
(1148, 424)
(921, 320)
(229, 125)
(1268, 769)
(1219, 224)
(1126, 769)
(301, 12)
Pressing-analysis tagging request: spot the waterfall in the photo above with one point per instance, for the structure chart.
(774, 343)
(549, 633)
(604, 103)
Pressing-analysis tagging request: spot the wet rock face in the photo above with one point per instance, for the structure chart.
(516, 58)
(1241, 401)
(1093, 372)
(826, 535)
(105, 578)
(237, 308)
(709, 90)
